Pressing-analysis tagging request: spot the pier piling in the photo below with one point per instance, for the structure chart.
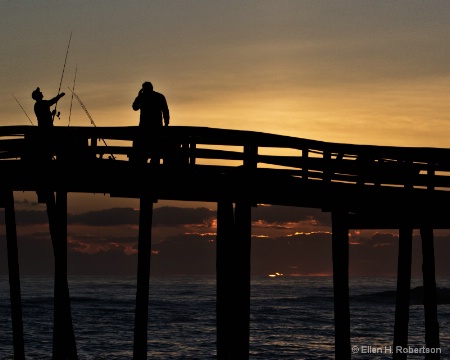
(233, 280)
(224, 252)
(14, 276)
(64, 344)
(340, 249)
(403, 291)
(429, 292)
(143, 278)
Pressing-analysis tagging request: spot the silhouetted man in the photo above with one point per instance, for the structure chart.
(153, 106)
(42, 108)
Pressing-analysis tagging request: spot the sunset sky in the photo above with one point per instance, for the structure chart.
(353, 71)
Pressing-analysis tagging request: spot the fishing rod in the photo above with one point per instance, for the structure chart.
(73, 89)
(89, 116)
(62, 75)
(23, 109)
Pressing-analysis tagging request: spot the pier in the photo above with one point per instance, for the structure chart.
(237, 170)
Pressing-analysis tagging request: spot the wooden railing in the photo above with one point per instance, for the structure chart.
(225, 150)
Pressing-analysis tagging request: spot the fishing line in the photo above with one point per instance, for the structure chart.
(62, 75)
(23, 109)
(73, 89)
(89, 116)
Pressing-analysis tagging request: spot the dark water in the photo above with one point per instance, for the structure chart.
(291, 317)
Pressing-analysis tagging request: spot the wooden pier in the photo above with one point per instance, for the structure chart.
(237, 170)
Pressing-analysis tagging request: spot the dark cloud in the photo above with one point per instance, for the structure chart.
(302, 253)
(26, 202)
(162, 216)
(108, 217)
(275, 216)
(175, 216)
(289, 214)
(28, 217)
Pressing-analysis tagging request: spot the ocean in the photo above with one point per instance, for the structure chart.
(291, 317)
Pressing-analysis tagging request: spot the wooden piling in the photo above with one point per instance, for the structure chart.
(241, 293)
(64, 345)
(340, 249)
(233, 280)
(403, 291)
(224, 279)
(14, 276)
(429, 292)
(143, 276)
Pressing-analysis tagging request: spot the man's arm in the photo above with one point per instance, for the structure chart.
(137, 102)
(55, 99)
(165, 111)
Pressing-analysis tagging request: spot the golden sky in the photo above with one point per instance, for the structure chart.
(354, 71)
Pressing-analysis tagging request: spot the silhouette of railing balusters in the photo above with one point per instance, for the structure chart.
(94, 146)
(407, 174)
(305, 155)
(431, 175)
(363, 168)
(327, 164)
(378, 168)
(192, 148)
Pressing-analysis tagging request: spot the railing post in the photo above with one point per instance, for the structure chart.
(192, 147)
(327, 166)
(431, 172)
(250, 157)
(362, 161)
(305, 154)
(378, 166)
(94, 145)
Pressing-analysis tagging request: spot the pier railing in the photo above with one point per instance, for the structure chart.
(224, 150)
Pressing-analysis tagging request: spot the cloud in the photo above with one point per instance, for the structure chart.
(176, 216)
(289, 214)
(169, 216)
(162, 216)
(88, 244)
(195, 253)
(108, 217)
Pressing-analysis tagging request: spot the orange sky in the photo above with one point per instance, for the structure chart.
(369, 72)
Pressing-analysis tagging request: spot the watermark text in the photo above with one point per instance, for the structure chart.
(368, 349)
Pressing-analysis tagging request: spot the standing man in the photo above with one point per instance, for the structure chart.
(43, 148)
(153, 106)
(42, 108)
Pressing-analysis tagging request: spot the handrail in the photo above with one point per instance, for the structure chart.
(409, 167)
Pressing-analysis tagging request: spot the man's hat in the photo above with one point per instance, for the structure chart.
(36, 93)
